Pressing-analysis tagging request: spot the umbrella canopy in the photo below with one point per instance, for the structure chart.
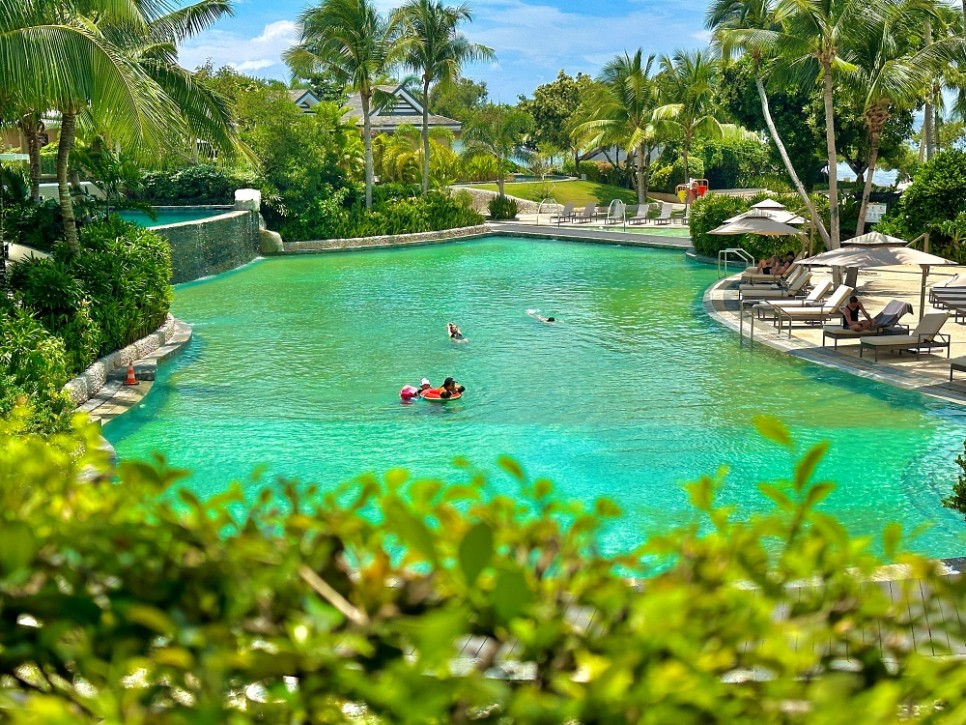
(778, 215)
(768, 204)
(880, 256)
(874, 239)
(757, 225)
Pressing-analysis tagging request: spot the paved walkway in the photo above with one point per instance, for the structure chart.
(929, 374)
(584, 233)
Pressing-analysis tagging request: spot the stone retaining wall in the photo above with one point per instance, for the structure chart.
(88, 383)
(209, 246)
(383, 242)
(481, 197)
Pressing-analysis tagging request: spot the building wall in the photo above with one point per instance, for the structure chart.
(210, 246)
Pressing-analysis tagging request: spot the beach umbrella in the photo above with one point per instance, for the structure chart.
(874, 239)
(882, 255)
(762, 225)
(778, 215)
(768, 204)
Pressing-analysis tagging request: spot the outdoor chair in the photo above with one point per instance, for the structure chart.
(813, 315)
(641, 216)
(565, 214)
(588, 213)
(780, 283)
(752, 276)
(884, 323)
(927, 336)
(795, 288)
(821, 288)
(665, 216)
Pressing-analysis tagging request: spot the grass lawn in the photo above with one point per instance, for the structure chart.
(580, 193)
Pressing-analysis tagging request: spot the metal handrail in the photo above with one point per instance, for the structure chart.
(737, 253)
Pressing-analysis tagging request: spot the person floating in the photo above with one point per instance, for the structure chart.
(850, 316)
(411, 392)
(450, 388)
(535, 314)
(454, 332)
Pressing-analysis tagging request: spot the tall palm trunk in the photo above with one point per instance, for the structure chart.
(833, 176)
(928, 129)
(367, 142)
(799, 187)
(876, 121)
(426, 134)
(68, 122)
(641, 189)
(31, 126)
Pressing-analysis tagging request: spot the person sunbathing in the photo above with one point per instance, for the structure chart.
(766, 266)
(850, 316)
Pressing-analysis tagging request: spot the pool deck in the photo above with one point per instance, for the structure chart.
(928, 374)
(528, 227)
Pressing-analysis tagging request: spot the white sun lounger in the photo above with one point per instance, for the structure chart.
(926, 335)
(817, 314)
(796, 287)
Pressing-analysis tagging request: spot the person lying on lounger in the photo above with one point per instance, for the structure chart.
(850, 316)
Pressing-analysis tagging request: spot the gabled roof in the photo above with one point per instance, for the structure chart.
(304, 99)
(405, 109)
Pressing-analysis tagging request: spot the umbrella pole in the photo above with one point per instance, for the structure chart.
(922, 290)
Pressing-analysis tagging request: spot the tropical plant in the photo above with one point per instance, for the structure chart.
(890, 73)
(355, 45)
(740, 24)
(936, 195)
(502, 207)
(688, 79)
(437, 51)
(130, 599)
(398, 156)
(111, 67)
(496, 130)
(618, 112)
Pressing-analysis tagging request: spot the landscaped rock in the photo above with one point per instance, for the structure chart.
(270, 242)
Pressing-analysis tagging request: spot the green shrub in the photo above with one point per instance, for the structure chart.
(128, 599)
(709, 212)
(676, 174)
(502, 207)
(936, 195)
(196, 184)
(34, 367)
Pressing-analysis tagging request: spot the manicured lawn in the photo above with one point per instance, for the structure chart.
(578, 192)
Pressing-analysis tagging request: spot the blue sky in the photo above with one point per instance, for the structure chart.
(533, 39)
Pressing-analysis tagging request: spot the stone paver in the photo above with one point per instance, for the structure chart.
(929, 374)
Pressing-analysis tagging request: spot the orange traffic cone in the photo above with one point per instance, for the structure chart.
(131, 380)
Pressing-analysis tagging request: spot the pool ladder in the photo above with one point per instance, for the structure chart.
(736, 254)
(549, 201)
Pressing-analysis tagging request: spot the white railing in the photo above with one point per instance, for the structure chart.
(549, 200)
(735, 253)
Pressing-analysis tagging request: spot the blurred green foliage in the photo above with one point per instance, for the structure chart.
(126, 599)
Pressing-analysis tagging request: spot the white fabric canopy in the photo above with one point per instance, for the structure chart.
(768, 204)
(778, 215)
(756, 225)
(874, 239)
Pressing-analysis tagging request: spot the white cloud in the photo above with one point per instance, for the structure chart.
(260, 53)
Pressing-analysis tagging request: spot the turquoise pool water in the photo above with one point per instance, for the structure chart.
(297, 362)
(169, 216)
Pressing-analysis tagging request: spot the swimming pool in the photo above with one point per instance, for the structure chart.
(297, 363)
(170, 216)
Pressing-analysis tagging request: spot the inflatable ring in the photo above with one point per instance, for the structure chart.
(435, 397)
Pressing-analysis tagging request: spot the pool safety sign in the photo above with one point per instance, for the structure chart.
(875, 212)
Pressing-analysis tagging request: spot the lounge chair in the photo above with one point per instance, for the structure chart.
(753, 276)
(665, 216)
(641, 216)
(926, 335)
(616, 213)
(817, 314)
(588, 213)
(821, 288)
(565, 214)
(796, 288)
(783, 283)
(884, 323)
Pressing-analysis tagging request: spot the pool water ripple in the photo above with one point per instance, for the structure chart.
(297, 363)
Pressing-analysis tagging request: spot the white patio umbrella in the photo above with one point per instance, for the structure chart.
(874, 239)
(768, 204)
(779, 215)
(757, 225)
(883, 255)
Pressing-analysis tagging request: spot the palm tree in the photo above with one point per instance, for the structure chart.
(438, 51)
(497, 131)
(812, 44)
(735, 23)
(618, 112)
(891, 73)
(352, 42)
(688, 79)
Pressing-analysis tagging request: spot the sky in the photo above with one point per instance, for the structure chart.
(533, 40)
